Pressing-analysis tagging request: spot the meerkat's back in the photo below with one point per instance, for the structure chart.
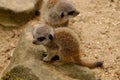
(68, 41)
(69, 44)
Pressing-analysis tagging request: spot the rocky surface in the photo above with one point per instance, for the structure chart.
(14, 13)
(26, 64)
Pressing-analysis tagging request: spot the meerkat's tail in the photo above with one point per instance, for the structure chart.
(86, 64)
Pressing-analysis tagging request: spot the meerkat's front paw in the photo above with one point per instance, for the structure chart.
(42, 55)
(46, 59)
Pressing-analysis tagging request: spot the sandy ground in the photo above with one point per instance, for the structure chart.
(8, 41)
(98, 27)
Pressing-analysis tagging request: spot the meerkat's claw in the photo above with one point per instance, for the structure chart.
(46, 59)
(44, 54)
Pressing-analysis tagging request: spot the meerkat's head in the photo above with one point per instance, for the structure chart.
(42, 34)
(66, 9)
(62, 11)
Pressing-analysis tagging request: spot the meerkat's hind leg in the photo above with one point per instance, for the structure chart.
(61, 60)
(55, 58)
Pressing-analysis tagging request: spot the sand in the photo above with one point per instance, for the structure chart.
(98, 26)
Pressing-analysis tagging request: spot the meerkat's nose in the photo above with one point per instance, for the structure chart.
(77, 12)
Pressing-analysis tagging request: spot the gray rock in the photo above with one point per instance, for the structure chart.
(26, 64)
(18, 12)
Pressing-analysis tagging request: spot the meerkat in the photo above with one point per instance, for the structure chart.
(63, 42)
(57, 13)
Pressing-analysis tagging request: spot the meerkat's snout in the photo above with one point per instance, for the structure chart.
(77, 13)
(73, 13)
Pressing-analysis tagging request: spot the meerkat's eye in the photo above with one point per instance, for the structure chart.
(62, 15)
(71, 13)
(41, 38)
(50, 37)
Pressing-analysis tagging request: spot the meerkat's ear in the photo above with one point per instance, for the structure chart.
(62, 15)
(50, 37)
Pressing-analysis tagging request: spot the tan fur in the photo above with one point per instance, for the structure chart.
(66, 45)
(52, 9)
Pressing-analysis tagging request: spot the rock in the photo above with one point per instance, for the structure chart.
(26, 64)
(14, 13)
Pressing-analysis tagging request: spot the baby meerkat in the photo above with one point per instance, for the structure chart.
(63, 42)
(58, 12)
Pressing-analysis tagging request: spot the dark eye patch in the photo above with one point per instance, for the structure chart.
(50, 37)
(41, 38)
(71, 13)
